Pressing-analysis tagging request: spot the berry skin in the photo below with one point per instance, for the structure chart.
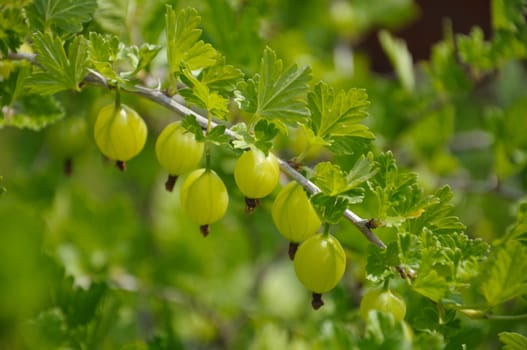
(177, 151)
(383, 300)
(119, 134)
(256, 175)
(319, 263)
(204, 198)
(293, 215)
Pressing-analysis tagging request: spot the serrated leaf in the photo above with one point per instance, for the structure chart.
(221, 77)
(275, 93)
(116, 61)
(58, 71)
(333, 181)
(513, 341)
(380, 262)
(64, 15)
(505, 277)
(400, 57)
(200, 95)
(329, 208)
(183, 44)
(338, 115)
(262, 137)
(32, 112)
(217, 135)
(430, 284)
(12, 29)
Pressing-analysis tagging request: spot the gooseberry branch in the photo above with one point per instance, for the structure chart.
(159, 97)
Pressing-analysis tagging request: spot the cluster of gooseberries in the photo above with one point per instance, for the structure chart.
(319, 259)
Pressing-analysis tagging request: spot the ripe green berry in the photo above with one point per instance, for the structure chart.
(67, 138)
(320, 262)
(178, 152)
(204, 198)
(119, 134)
(383, 300)
(294, 216)
(256, 175)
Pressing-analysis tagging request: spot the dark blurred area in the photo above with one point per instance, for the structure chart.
(427, 28)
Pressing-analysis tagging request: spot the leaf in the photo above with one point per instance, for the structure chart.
(58, 71)
(221, 77)
(333, 181)
(400, 57)
(64, 15)
(518, 230)
(430, 284)
(275, 93)
(329, 208)
(262, 137)
(338, 115)
(380, 263)
(12, 29)
(217, 135)
(505, 277)
(32, 112)
(191, 124)
(513, 341)
(116, 61)
(183, 44)
(200, 95)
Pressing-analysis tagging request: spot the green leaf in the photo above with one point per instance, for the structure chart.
(63, 15)
(383, 332)
(475, 51)
(380, 262)
(518, 230)
(57, 71)
(221, 77)
(430, 284)
(32, 112)
(183, 44)
(508, 15)
(112, 15)
(513, 341)
(262, 137)
(200, 95)
(505, 277)
(217, 135)
(329, 208)
(400, 57)
(116, 61)
(338, 115)
(333, 181)
(275, 93)
(12, 29)
(191, 124)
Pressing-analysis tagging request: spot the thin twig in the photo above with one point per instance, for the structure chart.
(160, 98)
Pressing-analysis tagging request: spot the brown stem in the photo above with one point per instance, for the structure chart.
(171, 181)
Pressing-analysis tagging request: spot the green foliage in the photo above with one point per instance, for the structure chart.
(400, 58)
(62, 16)
(429, 163)
(183, 44)
(118, 62)
(513, 341)
(505, 279)
(57, 70)
(336, 116)
(275, 93)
